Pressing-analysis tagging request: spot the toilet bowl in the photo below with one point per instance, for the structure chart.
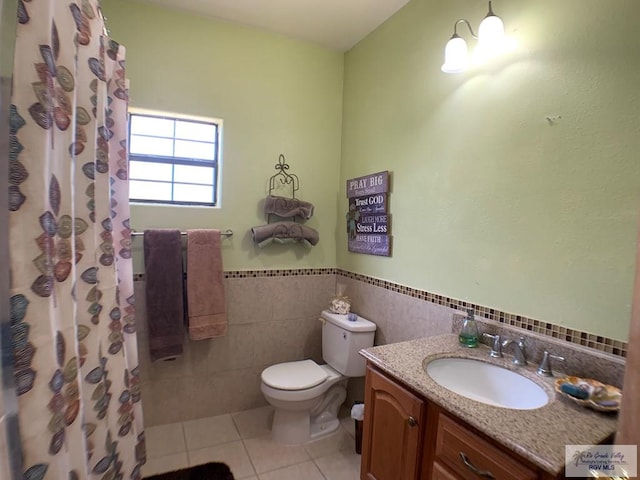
(306, 396)
(303, 414)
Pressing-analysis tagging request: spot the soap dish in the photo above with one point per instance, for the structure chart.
(601, 397)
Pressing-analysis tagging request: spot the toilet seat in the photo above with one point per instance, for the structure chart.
(298, 375)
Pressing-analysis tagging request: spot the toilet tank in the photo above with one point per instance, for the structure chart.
(342, 339)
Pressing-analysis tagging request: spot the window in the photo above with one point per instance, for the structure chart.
(173, 160)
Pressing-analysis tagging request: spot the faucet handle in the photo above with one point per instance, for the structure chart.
(545, 365)
(496, 348)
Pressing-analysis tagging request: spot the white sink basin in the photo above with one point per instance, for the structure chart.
(487, 383)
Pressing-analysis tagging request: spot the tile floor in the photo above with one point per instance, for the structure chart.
(242, 440)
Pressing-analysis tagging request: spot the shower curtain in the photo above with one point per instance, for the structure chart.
(72, 305)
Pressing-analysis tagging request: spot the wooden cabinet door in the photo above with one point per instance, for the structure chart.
(441, 473)
(393, 425)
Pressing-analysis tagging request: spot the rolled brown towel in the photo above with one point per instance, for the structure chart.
(287, 207)
(285, 232)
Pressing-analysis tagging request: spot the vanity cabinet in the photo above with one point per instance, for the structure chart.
(406, 437)
(393, 430)
(466, 455)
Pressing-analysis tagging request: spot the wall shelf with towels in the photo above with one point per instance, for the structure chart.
(285, 207)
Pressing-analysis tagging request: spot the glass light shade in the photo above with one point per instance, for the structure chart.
(456, 57)
(491, 34)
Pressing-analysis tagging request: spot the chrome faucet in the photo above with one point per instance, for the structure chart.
(545, 365)
(496, 345)
(519, 351)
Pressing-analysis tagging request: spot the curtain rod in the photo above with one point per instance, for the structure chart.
(227, 233)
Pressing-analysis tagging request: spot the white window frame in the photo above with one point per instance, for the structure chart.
(215, 163)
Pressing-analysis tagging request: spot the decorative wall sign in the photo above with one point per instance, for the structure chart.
(369, 204)
(368, 221)
(368, 185)
(373, 224)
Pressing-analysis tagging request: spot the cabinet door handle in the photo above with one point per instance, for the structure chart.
(474, 469)
(412, 422)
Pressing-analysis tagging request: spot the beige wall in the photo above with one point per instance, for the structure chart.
(490, 202)
(275, 95)
(272, 319)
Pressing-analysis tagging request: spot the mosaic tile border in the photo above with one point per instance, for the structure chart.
(597, 342)
(299, 272)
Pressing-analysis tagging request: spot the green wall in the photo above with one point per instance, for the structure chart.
(492, 203)
(274, 94)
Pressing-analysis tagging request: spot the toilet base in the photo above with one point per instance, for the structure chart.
(295, 428)
(319, 430)
(292, 427)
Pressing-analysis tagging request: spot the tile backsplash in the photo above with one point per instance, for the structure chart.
(585, 339)
(578, 360)
(273, 317)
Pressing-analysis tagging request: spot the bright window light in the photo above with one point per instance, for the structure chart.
(173, 160)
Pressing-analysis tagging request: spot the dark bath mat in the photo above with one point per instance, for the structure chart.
(208, 471)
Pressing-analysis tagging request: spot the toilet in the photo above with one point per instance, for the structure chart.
(306, 396)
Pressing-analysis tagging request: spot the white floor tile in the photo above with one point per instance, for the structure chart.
(233, 454)
(266, 455)
(349, 425)
(211, 431)
(254, 423)
(337, 441)
(306, 471)
(164, 464)
(163, 440)
(256, 456)
(343, 465)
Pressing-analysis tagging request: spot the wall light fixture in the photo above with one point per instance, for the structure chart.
(490, 42)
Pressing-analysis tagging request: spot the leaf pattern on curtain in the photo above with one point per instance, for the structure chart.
(17, 173)
(72, 302)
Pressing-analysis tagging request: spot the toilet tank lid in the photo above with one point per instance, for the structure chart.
(360, 325)
(294, 375)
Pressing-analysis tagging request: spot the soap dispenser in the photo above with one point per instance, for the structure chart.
(469, 336)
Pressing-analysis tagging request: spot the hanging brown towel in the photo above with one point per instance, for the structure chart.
(165, 305)
(205, 287)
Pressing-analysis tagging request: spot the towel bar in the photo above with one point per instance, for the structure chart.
(227, 233)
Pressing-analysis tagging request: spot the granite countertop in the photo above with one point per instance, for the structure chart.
(538, 435)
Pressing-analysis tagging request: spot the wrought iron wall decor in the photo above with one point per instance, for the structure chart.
(284, 177)
(285, 207)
